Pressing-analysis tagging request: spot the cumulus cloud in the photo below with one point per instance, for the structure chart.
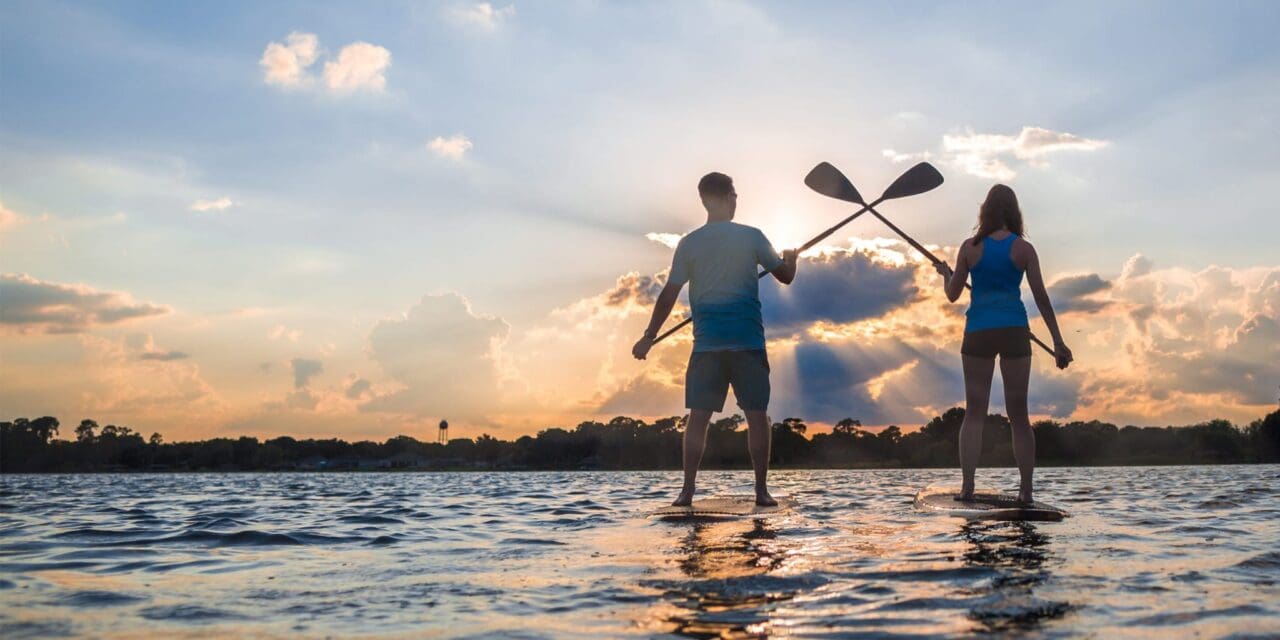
(304, 370)
(358, 389)
(29, 305)
(897, 157)
(144, 345)
(867, 286)
(669, 240)
(281, 332)
(219, 204)
(285, 64)
(984, 155)
(453, 147)
(443, 356)
(634, 288)
(482, 15)
(1075, 294)
(647, 395)
(8, 218)
(115, 381)
(360, 66)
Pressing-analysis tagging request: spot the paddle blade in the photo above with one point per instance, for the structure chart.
(828, 181)
(918, 179)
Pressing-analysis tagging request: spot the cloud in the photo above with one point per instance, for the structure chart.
(9, 218)
(482, 15)
(28, 305)
(220, 204)
(304, 370)
(114, 384)
(145, 346)
(984, 155)
(896, 157)
(633, 288)
(453, 147)
(868, 286)
(668, 240)
(286, 64)
(360, 65)
(1073, 294)
(444, 358)
(281, 332)
(358, 389)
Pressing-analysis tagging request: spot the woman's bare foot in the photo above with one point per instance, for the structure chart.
(966, 492)
(685, 499)
(1024, 496)
(763, 499)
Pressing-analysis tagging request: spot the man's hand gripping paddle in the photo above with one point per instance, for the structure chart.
(828, 181)
(830, 185)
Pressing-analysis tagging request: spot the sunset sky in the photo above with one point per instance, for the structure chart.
(354, 220)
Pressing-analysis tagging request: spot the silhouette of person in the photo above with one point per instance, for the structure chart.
(998, 256)
(719, 261)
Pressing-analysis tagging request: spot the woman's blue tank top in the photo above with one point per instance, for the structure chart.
(996, 299)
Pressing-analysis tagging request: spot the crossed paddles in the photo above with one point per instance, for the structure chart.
(830, 182)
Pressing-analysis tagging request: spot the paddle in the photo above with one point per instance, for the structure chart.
(828, 180)
(833, 183)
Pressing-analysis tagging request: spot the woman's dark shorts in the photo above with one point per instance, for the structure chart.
(710, 373)
(1006, 342)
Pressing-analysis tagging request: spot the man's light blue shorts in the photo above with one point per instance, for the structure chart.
(710, 374)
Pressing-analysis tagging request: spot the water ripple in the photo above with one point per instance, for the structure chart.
(1148, 551)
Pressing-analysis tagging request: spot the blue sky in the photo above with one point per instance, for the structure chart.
(588, 124)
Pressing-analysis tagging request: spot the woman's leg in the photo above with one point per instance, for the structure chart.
(977, 394)
(1016, 373)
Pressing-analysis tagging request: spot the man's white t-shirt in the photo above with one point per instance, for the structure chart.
(719, 261)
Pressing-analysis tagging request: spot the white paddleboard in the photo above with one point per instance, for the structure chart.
(987, 504)
(725, 507)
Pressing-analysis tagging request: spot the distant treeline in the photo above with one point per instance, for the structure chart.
(627, 443)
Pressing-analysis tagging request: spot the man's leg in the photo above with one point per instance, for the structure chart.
(759, 439)
(695, 441)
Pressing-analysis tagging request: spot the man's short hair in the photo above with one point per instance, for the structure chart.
(715, 184)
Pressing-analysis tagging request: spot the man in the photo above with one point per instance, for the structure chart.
(719, 261)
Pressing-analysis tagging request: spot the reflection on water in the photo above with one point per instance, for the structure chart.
(1023, 558)
(1175, 551)
(721, 600)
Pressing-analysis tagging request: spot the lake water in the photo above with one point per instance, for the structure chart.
(1169, 551)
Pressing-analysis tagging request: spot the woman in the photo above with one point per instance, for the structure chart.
(996, 324)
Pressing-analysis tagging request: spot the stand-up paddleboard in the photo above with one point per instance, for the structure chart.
(726, 507)
(987, 504)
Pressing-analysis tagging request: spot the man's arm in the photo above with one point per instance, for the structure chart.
(786, 272)
(661, 311)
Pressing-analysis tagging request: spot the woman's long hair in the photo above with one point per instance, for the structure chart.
(999, 211)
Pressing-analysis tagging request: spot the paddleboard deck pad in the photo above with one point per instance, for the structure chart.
(987, 504)
(725, 507)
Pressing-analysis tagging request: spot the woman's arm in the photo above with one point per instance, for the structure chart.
(953, 284)
(1036, 281)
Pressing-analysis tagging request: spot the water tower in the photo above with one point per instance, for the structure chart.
(443, 437)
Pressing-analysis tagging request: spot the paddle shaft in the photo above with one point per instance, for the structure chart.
(934, 259)
(805, 247)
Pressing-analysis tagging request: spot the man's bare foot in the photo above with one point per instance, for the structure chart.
(763, 499)
(685, 499)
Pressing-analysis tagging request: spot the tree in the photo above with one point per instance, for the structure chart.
(84, 432)
(847, 426)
